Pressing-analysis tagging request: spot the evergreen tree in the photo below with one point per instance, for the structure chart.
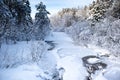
(23, 19)
(15, 20)
(2, 20)
(42, 22)
(98, 9)
(6, 22)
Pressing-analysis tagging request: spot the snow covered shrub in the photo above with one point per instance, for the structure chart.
(80, 32)
(107, 35)
(38, 49)
(115, 37)
(22, 52)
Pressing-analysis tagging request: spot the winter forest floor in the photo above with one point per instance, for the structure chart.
(71, 59)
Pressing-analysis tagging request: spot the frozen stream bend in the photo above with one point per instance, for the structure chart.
(69, 56)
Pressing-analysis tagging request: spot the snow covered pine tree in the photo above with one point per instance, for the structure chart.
(15, 20)
(42, 22)
(5, 22)
(98, 8)
(24, 20)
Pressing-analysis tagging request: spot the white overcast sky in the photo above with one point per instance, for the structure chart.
(53, 6)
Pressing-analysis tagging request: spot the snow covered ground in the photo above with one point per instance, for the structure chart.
(26, 61)
(23, 72)
(69, 56)
(65, 55)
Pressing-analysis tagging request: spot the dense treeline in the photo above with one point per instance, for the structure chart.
(16, 23)
(67, 17)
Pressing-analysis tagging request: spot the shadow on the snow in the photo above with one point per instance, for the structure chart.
(52, 45)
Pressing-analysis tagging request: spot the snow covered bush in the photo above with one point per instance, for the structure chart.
(80, 32)
(38, 50)
(107, 35)
(22, 52)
